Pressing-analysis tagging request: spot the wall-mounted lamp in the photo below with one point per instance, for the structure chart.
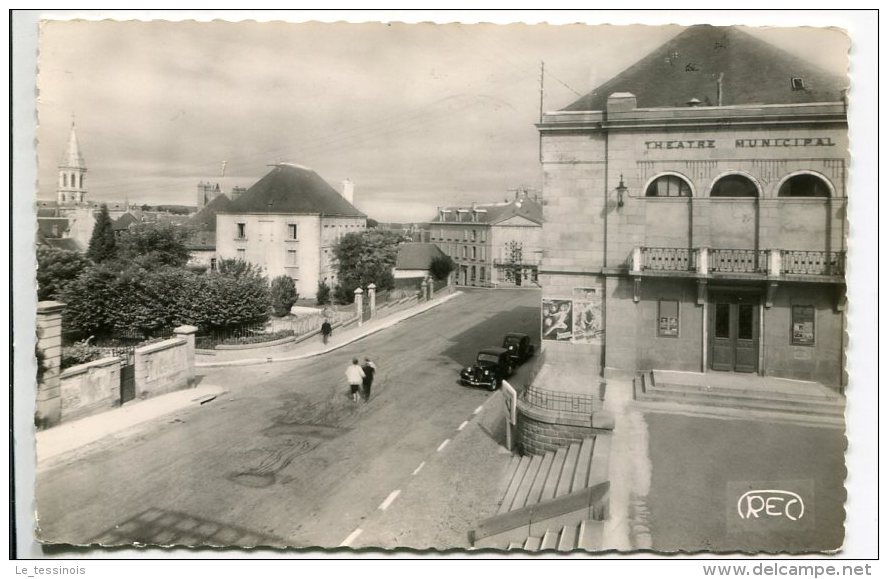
(621, 191)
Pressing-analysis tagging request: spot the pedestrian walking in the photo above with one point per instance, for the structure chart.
(355, 377)
(326, 330)
(369, 369)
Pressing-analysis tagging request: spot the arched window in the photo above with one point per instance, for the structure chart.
(804, 185)
(64, 179)
(734, 186)
(668, 186)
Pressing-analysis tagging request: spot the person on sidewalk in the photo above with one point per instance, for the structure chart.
(369, 369)
(326, 330)
(355, 376)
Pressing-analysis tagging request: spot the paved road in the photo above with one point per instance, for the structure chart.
(285, 458)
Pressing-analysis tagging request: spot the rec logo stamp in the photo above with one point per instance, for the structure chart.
(774, 506)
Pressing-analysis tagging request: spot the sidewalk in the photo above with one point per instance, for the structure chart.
(69, 436)
(313, 346)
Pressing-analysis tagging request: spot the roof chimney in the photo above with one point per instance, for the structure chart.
(348, 191)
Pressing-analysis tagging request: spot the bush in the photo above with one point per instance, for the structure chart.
(440, 267)
(283, 295)
(323, 296)
(106, 301)
(56, 268)
(79, 353)
(259, 338)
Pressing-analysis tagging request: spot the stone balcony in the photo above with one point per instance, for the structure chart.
(771, 264)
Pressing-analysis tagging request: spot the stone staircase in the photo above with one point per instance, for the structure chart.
(556, 501)
(815, 407)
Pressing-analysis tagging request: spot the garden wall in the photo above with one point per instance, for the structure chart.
(90, 388)
(164, 367)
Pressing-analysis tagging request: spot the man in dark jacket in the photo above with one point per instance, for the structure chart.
(326, 330)
(369, 370)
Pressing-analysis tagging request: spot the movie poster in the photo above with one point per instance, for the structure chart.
(588, 324)
(557, 320)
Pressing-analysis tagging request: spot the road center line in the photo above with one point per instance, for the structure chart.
(419, 468)
(354, 535)
(443, 444)
(463, 425)
(389, 500)
(477, 410)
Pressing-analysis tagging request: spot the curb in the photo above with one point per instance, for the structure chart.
(385, 326)
(68, 437)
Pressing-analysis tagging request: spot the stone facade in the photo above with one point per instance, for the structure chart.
(672, 269)
(541, 430)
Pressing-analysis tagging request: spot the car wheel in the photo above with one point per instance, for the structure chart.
(493, 386)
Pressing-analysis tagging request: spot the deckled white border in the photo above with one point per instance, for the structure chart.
(862, 355)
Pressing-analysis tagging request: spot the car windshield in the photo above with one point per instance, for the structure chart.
(488, 358)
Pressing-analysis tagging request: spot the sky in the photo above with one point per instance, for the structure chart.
(416, 115)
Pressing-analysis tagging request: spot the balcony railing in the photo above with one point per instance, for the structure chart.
(738, 261)
(774, 262)
(814, 262)
(562, 401)
(668, 258)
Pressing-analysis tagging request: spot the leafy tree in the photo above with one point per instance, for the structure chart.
(154, 244)
(372, 223)
(441, 266)
(56, 268)
(365, 257)
(237, 268)
(323, 296)
(283, 295)
(102, 244)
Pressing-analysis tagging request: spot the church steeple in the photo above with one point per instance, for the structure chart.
(72, 170)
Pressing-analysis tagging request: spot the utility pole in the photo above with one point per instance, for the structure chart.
(542, 88)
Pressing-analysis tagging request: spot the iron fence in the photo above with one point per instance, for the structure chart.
(561, 401)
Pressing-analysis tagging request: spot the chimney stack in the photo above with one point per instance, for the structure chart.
(348, 191)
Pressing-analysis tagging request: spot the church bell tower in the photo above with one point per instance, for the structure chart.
(72, 170)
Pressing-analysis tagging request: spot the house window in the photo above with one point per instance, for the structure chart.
(473, 273)
(483, 236)
(804, 186)
(242, 254)
(465, 235)
(291, 231)
(474, 235)
(241, 230)
(734, 186)
(464, 251)
(474, 252)
(798, 83)
(212, 264)
(668, 186)
(292, 258)
(667, 319)
(483, 274)
(803, 325)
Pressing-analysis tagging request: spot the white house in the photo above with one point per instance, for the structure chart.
(288, 223)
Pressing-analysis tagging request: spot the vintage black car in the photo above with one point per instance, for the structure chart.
(491, 366)
(519, 347)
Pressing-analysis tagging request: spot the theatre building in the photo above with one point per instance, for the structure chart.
(694, 215)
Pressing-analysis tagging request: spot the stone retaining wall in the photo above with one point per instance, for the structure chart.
(163, 367)
(90, 388)
(541, 430)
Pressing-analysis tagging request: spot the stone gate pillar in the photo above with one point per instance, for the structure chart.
(49, 345)
(371, 292)
(359, 305)
(423, 290)
(187, 333)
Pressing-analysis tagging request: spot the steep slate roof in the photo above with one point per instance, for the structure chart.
(293, 189)
(417, 255)
(59, 243)
(688, 65)
(498, 212)
(45, 225)
(72, 159)
(123, 222)
(205, 219)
